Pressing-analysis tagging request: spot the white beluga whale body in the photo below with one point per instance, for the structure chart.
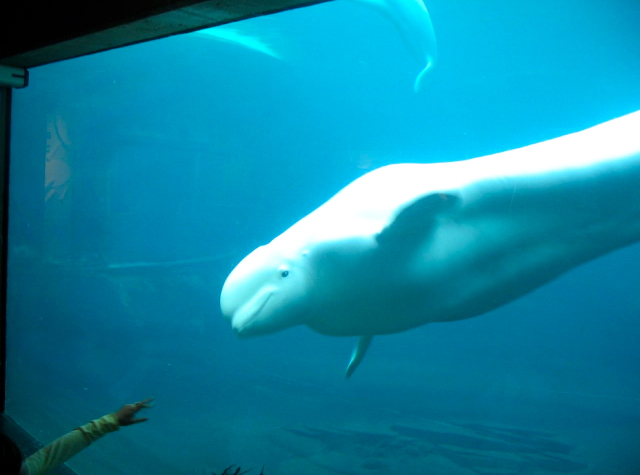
(413, 23)
(411, 244)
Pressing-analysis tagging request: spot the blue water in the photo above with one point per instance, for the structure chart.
(182, 155)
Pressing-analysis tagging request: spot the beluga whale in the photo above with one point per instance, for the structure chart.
(410, 244)
(413, 23)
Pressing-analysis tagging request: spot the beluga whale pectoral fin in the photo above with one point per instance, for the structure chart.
(358, 354)
(414, 222)
(413, 22)
(235, 36)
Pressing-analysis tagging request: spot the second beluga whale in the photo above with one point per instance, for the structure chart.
(413, 22)
(410, 244)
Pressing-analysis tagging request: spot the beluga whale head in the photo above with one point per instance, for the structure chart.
(264, 293)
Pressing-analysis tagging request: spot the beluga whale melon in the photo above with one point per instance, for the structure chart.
(410, 244)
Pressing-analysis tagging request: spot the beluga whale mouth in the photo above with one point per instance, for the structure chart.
(244, 320)
(443, 241)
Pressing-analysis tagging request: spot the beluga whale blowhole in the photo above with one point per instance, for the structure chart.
(410, 244)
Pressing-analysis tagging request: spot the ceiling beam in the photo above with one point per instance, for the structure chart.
(37, 33)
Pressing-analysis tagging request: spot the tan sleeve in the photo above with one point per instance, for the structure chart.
(62, 449)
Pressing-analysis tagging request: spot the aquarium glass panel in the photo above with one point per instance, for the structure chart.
(140, 177)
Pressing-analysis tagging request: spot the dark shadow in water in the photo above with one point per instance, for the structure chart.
(479, 448)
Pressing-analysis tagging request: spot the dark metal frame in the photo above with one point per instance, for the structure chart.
(5, 125)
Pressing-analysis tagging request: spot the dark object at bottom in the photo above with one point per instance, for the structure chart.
(238, 471)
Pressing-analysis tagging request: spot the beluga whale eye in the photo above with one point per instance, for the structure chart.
(284, 273)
